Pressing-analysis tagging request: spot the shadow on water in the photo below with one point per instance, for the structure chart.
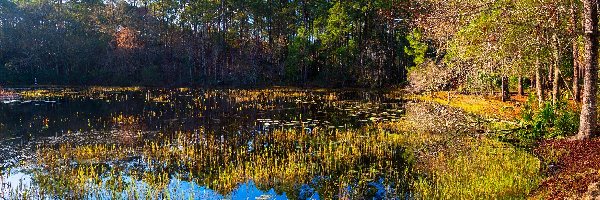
(103, 143)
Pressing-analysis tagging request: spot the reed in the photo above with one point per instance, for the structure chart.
(283, 159)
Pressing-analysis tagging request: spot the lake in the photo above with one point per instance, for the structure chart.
(156, 143)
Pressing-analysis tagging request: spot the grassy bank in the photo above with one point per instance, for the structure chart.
(466, 160)
(567, 169)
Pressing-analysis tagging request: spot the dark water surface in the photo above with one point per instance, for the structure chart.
(241, 125)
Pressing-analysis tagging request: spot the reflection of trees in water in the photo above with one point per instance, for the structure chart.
(335, 163)
(215, 138)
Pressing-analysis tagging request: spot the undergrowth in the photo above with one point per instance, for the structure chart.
(548, 121)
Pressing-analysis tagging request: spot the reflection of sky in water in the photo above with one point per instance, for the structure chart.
(177, 189)
(16, 180)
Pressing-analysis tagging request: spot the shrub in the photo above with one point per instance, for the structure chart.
(549, 121)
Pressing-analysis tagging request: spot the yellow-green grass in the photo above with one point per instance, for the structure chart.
(480, 105)
(291, 158)
(484, 169)
(448, 167)
(467, 168)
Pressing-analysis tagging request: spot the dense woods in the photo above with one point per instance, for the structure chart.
(191, 43)
(473, 46)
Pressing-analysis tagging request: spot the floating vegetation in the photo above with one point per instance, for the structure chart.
(136, 142)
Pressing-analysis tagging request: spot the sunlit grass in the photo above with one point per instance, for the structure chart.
(486, 169)
(480, 105)
(408, 153)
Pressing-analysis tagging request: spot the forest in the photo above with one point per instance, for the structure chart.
(299, 99)
(204, 43)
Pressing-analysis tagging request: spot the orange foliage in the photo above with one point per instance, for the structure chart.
(127, 38)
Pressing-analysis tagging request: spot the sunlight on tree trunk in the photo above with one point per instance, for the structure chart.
(520, 86)
(556, 70)
(576, 92)
(588, 117)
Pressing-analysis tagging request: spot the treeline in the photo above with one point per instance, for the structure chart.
(204, 42)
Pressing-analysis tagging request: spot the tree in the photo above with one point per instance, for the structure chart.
(575, 50)
(588, 117)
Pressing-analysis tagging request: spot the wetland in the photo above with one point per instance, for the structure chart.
(156, 143)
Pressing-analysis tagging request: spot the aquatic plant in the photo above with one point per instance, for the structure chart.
(283, 159)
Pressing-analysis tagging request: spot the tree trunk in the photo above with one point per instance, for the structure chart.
(556, 71)
(520, 86)
(555, 84)
(532, 82)
(588, 117)
(505, 92)
(576, 93)
(539, 83)
(549, 78)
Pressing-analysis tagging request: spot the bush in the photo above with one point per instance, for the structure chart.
(549, 121)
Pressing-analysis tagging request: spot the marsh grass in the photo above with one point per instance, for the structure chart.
(487, 107)
(453, 162)
(486, 169)
(283, 159)
(432, 150)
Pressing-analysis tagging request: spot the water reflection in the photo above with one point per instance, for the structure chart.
(20, 182)
(177, 189)
(272, 143)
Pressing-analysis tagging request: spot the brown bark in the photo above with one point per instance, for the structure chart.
(576, 92)
(505, 92)
(539, 83)
(556, 71)
(588, 117)
(549, 77)
(555, 86)
(520, 86)
(532, 82)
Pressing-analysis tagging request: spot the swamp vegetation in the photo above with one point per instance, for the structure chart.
(275, 143)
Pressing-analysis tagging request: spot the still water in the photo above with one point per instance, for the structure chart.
(155, 143)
